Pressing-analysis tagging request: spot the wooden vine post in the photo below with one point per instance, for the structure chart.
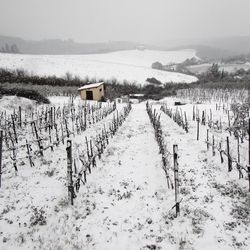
(203, 120)
(69, 172)
(228, 116)
(207, 140)
(38, 139)
(14, 128)
(238, 149)
(28, 147)
(176, 179)
(186, 123)
(1, 147)
(88, 154)
(20, 117)
(229, 160)
(13, 152)
(213, 147)
(221, 156)
(248, 167)
(198, 128)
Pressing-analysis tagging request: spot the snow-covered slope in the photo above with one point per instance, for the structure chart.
(228, 67)
(131, 65)
(125, 203)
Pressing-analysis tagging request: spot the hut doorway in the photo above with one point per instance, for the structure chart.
(89, 95)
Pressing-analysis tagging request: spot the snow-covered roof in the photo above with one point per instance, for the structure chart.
(137, 95)
(90, 86)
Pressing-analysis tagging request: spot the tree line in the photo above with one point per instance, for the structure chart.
(11, 49)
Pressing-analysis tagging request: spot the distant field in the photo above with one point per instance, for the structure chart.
(131, 65)
(231, 68)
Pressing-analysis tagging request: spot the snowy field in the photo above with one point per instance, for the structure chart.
(230, 67)
(131, 65)
(125, 203)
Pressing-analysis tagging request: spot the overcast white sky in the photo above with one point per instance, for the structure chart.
(147, 21)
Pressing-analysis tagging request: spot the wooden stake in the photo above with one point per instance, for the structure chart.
(198, 128)
(62, 133)
(186, 123)
(14, 152)
(248, 168)
(28, 153)
(14, 128)
(229, 160)
(221, 156)
(69, 172)
(1, 154)
(248, 171)
(207, 140)
(38, 139)
(67, 129)
(176, 179)
(20, 117)
(238, 148)
(213, 147)
(50, 139)
(249, 141)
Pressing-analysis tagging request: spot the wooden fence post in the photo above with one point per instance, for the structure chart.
(176, 179)
(1, 147)
(69, 172)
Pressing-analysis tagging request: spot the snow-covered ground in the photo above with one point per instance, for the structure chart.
(229, 67)
(131, 65)
(126, 203)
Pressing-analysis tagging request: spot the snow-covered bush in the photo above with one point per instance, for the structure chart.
(38, 217)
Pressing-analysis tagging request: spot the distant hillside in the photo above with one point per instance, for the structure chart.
(237, 44)
(216, 49)
(57, 46)
(208, 53)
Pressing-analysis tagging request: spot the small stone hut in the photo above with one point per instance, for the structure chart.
(94, 91)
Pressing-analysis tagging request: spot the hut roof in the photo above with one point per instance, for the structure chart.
(90, 86)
